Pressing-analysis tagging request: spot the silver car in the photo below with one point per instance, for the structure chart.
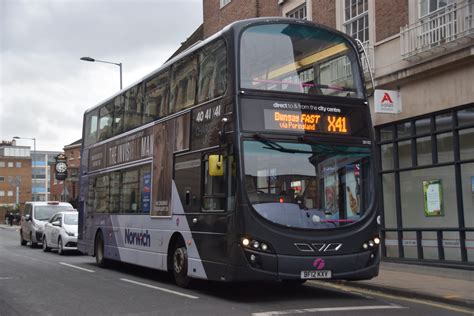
(61, 232)
(35, 216)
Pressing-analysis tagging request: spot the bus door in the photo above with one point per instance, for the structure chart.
(187, 177)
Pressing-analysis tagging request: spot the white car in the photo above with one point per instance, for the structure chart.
(61, 232)
(35, 216)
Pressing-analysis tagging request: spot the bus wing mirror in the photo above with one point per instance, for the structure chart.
(216, 166)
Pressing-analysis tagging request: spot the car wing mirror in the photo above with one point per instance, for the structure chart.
(27, 217)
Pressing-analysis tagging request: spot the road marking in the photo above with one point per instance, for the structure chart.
(328, 309)
(6, 278)
(350, 289)
(76, 267)
(160, 289)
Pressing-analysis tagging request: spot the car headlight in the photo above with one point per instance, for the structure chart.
(70, 233)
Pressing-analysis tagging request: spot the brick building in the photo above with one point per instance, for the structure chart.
(15, 177)
(421, 51)
(68, 190)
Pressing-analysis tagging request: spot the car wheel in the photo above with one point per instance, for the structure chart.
(99, 251)
(180, 265)
(22, 241)
(32, 244)
(60, 247)
(45, 245)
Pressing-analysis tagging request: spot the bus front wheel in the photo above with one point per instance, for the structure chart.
(99, 251)
(180, 265)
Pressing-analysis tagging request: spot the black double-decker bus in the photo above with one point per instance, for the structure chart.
(249, 156)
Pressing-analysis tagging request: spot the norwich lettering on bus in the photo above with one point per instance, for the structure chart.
(137, 238)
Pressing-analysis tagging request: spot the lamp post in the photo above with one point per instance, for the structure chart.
(32, 159)
(106, 62)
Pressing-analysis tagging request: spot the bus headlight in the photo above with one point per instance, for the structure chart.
(372, 243)
(255, 244)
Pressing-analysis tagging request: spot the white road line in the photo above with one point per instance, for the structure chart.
(328, 309)
(160, 289)
(6, 278)
(76, 267)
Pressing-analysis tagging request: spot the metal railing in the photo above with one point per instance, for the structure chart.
(463, 243)
(451, 24)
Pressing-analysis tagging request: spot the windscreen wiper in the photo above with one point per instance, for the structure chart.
(275, 146)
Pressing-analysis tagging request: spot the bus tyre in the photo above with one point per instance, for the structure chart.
(99, 251)
(45, 245)
(180, 265)
(22, 241)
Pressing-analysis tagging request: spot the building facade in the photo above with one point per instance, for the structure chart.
(15, 177)
(41, 174)
(421, 53)
(68, 190)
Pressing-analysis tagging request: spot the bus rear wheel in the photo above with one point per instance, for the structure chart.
(99, 251)
(180, 265)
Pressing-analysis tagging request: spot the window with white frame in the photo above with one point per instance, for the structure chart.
(10, 193)
(429, 6)
(2, 164)
(356, 19)
(10, 164)
(2, 193)
(298, 13)
(224, 2)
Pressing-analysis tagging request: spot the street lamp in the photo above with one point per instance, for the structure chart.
(32, 159)
(106, 62)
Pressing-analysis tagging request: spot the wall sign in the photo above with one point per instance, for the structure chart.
(433, 197)
(387, 101)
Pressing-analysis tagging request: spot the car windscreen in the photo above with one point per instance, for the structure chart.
(70, 219)
(44, 213)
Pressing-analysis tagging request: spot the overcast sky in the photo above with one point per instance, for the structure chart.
(45, 88)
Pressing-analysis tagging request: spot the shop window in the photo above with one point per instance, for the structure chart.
(386, 133)
(387, 156)
(423, 151)
(466, 143)
(389, 204)
(423, 126)
(404, 130)
(445, 147)
(414, 201)
(444, 121)
(404, 154)
(466, 116)
(467, 180)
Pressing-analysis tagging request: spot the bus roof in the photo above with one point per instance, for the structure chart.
(236, 26)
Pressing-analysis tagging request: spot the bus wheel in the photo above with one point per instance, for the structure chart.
(99, 251)
(23, 242)
(180, 265)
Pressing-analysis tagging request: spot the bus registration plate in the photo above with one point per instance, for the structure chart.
(316, 274)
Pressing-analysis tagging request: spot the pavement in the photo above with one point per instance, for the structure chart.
(437, 284)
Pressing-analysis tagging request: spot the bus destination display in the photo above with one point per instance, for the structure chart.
(300, 118)
(309, 122)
